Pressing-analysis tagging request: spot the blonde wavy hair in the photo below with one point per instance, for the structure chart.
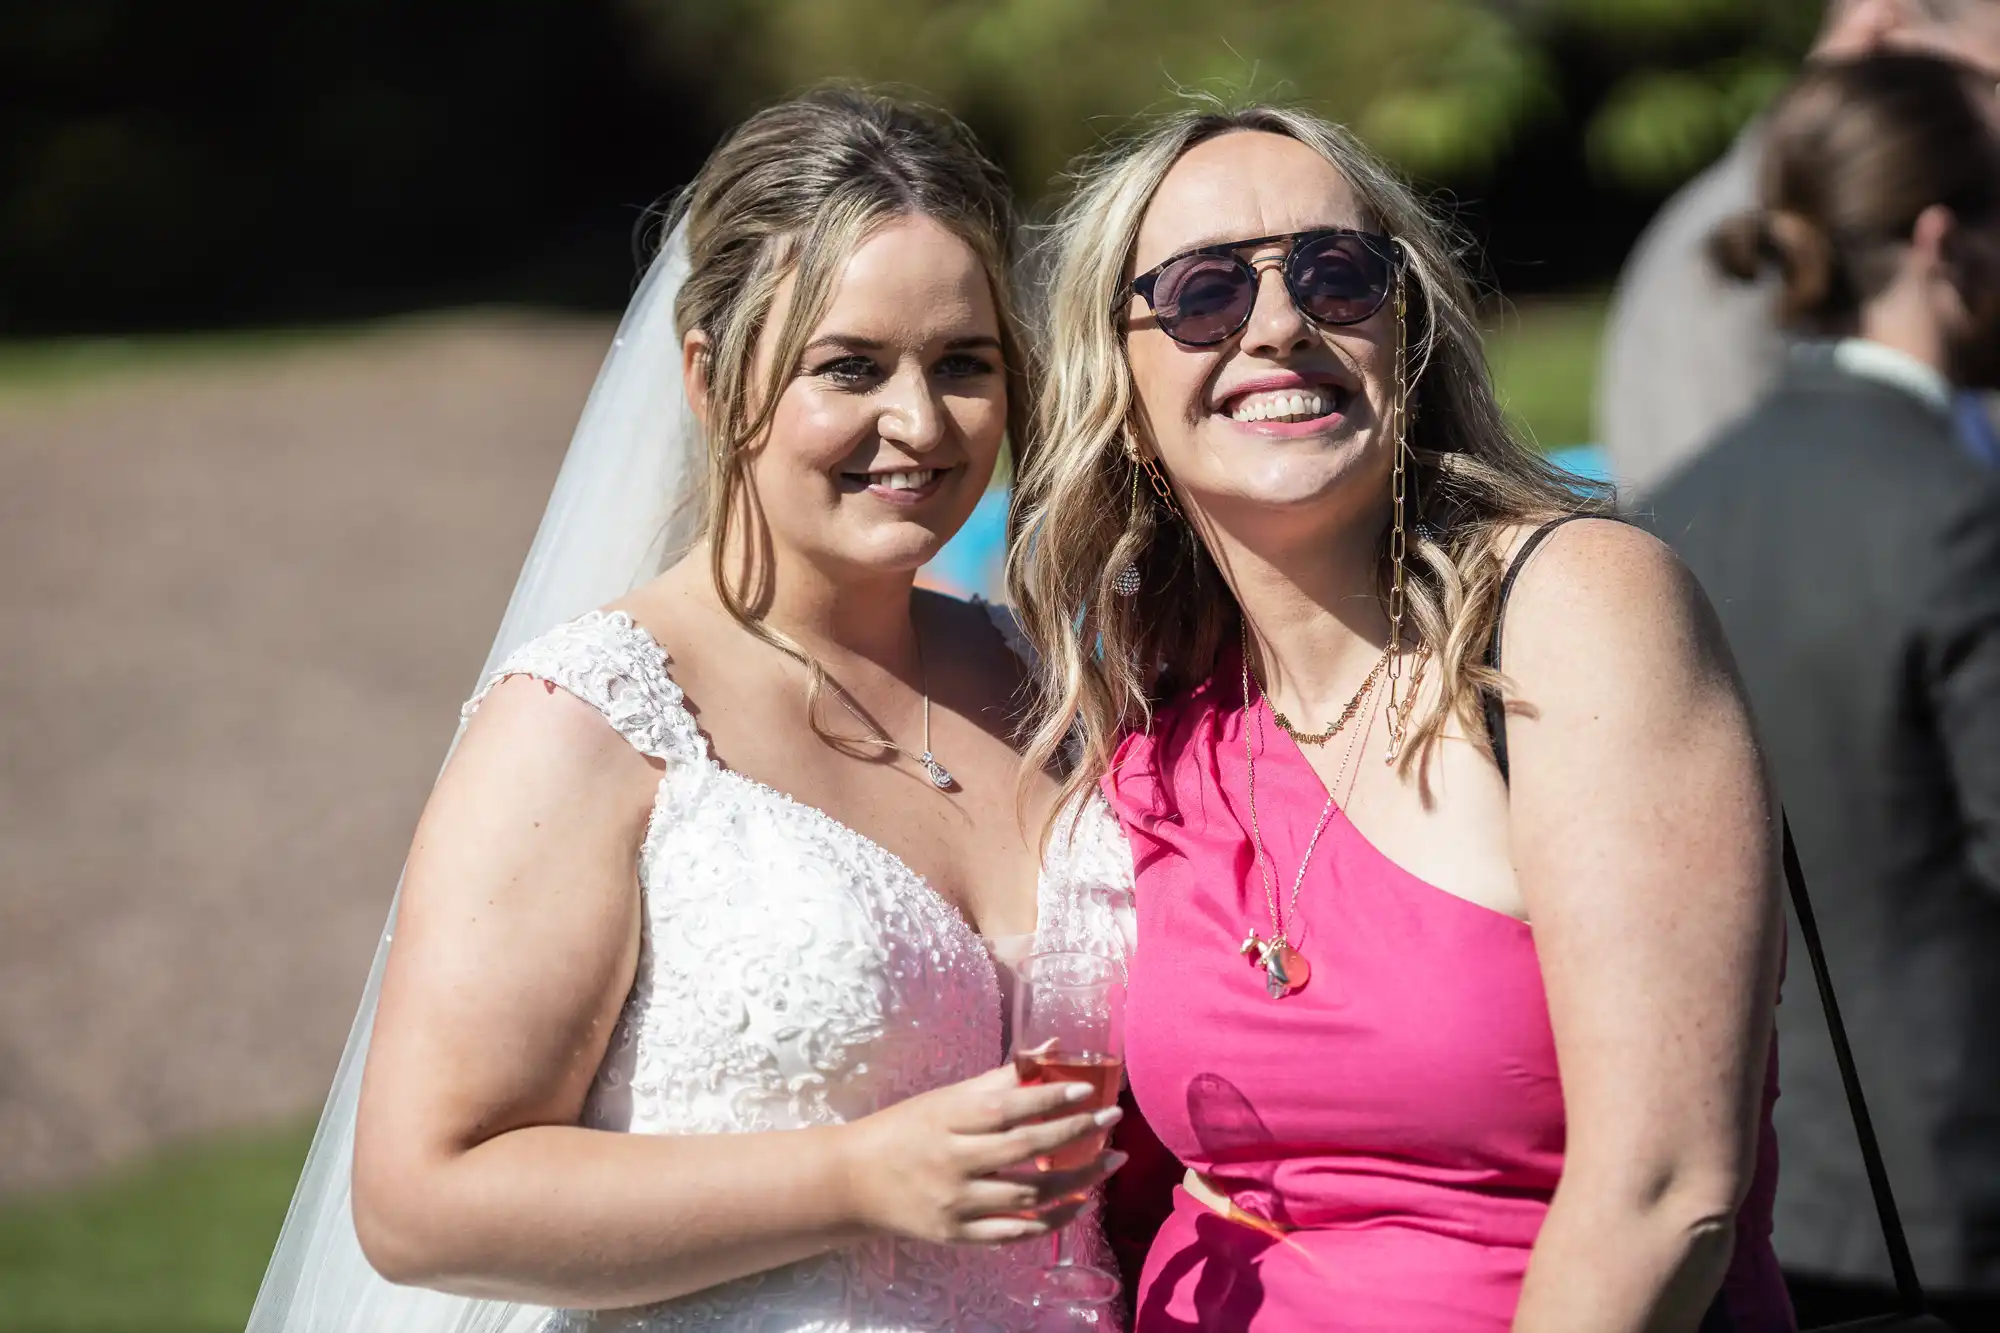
(1107, 661)
(794, 191)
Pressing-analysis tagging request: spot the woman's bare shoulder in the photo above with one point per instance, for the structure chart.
(532, 742)
(1603, 610)
(1596, 572)
(1577, 538)
(588, 702)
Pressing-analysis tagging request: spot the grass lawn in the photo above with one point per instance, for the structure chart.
(178, 1245)
(174, 1245)
(1545, 364)
(55, 365)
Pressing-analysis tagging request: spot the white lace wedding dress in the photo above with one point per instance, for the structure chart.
(792, 972)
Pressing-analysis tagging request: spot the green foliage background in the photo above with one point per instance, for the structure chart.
(236, 161)
(1445, 87)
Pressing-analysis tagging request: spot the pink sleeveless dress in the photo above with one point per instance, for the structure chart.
(1400, 1118)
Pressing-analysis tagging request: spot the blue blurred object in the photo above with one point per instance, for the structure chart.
(1975, 428)
(971, 561)
(1585, 460)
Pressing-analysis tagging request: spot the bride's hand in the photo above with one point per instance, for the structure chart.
(958, 1163)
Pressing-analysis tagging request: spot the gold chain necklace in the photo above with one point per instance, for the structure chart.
(1285, 968)
(1284, 723)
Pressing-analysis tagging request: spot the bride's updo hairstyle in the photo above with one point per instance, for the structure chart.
(1855, 151)
(1107, 659)
(795, 190)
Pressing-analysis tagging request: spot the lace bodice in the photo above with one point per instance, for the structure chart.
(793, 972)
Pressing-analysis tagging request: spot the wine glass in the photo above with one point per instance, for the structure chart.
(1069, 1027)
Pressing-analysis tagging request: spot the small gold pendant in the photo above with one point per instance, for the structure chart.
(1285, 968)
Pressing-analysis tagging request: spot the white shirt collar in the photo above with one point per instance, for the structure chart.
(1868, 360)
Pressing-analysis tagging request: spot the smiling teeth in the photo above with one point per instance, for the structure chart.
(1285, 405)
(909, 481)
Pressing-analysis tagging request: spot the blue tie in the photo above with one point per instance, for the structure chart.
(1975, 428)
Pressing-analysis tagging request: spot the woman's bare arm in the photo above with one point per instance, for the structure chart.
(1645, 842)
(515, 947)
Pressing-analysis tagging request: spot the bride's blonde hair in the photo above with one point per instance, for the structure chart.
(1107, 660)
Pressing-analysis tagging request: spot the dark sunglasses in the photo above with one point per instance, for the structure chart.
(1204, 297)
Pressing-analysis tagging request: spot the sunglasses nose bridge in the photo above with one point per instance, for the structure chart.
(1271, 324)
(1269, 258)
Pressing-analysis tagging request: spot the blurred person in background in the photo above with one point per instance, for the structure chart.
(1687, 351)
(1853, 550)
(692, 1012)
(1442, 1054)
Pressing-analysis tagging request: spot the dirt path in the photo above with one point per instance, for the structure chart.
(239, 605)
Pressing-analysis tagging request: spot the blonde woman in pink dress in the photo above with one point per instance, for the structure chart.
(1453, 990)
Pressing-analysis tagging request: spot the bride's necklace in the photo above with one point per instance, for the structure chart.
(1285, 968)
(939, 775)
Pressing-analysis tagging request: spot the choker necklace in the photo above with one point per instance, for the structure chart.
(1334, 728)
(1285, 968)
(939, 775)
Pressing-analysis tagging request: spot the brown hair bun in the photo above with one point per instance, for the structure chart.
(1854, 152)
(1806, 259)
(1740, 246)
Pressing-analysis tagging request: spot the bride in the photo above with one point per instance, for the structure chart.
(692, 1014)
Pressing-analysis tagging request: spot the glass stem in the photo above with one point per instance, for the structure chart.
(1060, 1256)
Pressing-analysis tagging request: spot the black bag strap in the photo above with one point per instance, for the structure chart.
(1909, 1291)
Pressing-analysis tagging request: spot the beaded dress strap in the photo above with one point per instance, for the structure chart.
(606, 659)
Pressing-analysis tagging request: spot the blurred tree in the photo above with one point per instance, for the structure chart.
(1445, 87)
(236, 160)
(1696, 71)
(1441, 85)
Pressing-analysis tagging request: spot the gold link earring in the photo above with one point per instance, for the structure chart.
(1398, 533)
(1160, 486)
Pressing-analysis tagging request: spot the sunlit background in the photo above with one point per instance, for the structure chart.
(298, 303)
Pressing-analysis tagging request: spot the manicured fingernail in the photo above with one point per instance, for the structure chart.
(1109, 1116)
(1113, 1161)
(1076, 1092)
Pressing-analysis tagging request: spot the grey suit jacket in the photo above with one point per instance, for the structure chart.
(1852, 550)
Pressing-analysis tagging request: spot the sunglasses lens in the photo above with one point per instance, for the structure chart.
(1339, 279)
(1202, 299)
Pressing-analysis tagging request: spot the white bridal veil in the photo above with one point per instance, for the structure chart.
(625, 504)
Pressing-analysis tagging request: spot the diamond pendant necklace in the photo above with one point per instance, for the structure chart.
(939, 775)
(1285, 968)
